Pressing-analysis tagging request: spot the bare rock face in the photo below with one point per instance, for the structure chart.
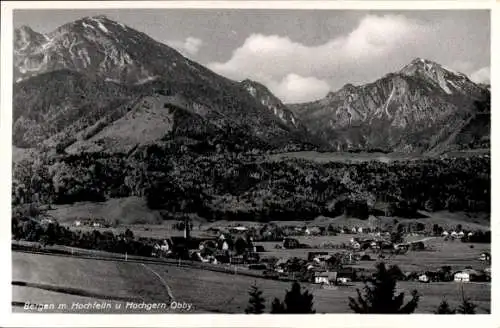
(415, 109)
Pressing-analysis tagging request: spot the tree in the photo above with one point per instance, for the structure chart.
(467, 307)
(256, 301)
(444, 308)
(379, 295)
(240, 245)
(396, 237)
(435, 229)
(129, 234)
(277, 306)
(295, 301)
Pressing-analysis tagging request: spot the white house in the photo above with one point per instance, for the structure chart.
(467, 275)
(343, 280)
(454, 234)
(461, 234)
(225, 246)
(423, 278)
(360, 230)
(326, 278)
(445, 234)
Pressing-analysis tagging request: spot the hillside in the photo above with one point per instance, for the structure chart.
(91, 71)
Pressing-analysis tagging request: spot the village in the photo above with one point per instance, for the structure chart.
(326, 256)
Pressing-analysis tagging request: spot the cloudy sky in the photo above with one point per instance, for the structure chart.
(302, 54)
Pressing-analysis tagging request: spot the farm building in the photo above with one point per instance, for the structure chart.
(469, 275)
(326, 278)
(445, 234)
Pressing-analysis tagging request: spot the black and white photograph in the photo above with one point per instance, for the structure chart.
(250, 161)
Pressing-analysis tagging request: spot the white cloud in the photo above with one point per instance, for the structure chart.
(282, 64)
(189, 46)
(482, 75)
(295, 88)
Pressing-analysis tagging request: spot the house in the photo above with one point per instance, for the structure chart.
(225, 246)
(423, 278)
(445, 234)
(312, 255)
(47, 221)
(313, 231)
(290, 243)
(461, 234)
(326, 278)
(360, 230)
(467, 275)
(454, 234)
(239, 229)
(485, 256)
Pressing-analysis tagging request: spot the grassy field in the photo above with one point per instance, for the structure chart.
(347, 157)
(129, 210)
(344, 157)
(54, 279)
(207, 291)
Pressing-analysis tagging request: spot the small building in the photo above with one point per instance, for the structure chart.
(313, 231)
(356, 245)
(485, 256)
(343, 280)
(326, 278)
(445, 234)
(423, 278)
(312, 255)
(468, 275)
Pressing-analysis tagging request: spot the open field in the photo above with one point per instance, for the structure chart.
(207, 291)
(347, 157)
(344, 157)
(46, 279)
(129, 210)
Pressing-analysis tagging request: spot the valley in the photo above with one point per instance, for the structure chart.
(130, 158)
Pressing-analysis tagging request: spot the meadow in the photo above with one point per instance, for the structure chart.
(208, 291)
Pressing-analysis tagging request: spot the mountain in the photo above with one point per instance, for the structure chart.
(95, 70)
(424, 107)
(266, 98)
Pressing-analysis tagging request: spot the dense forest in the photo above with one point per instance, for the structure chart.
(228, 176)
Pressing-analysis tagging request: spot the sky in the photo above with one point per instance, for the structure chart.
(301, 55)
